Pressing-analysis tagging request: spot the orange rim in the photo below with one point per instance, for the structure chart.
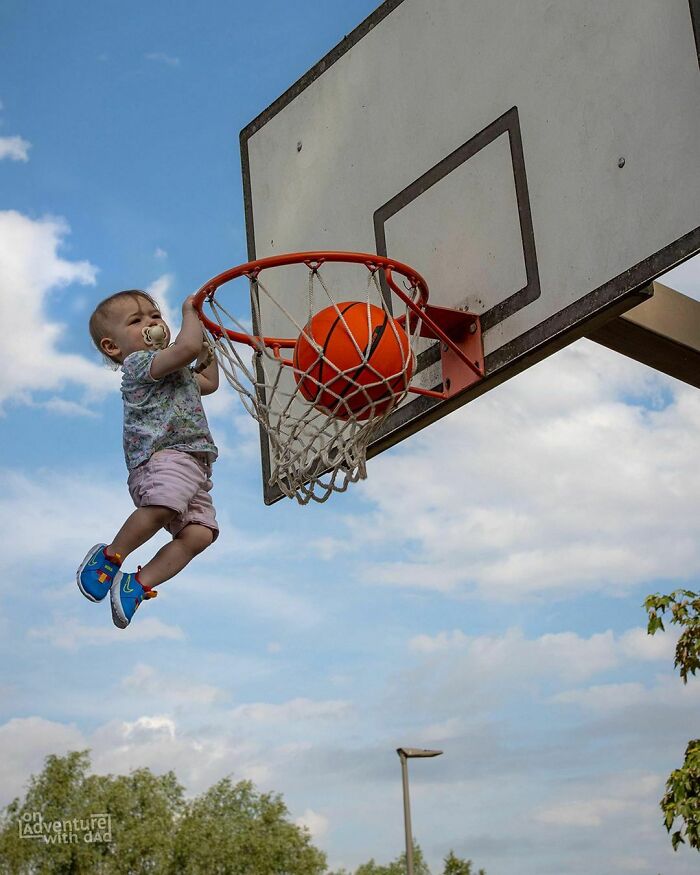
(313, 260)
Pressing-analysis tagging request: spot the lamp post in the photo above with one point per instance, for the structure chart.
(405, 754)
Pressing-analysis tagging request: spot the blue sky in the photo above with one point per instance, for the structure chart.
(481, 592)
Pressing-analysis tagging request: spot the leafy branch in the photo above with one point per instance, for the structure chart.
(682, 798)
(681, 801)
(683, 606)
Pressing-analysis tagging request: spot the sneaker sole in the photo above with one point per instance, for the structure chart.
(83, 565)
(118, 616)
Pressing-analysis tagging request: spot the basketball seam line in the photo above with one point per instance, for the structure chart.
(338, 318)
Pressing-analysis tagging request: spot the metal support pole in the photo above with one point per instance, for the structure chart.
(407, 814)
(405, 753)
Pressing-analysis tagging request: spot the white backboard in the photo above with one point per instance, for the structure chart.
(537, 162)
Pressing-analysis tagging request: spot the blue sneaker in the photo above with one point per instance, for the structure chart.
(96, 574)
(125, 595)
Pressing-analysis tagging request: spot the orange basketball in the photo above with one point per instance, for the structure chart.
(366, 360)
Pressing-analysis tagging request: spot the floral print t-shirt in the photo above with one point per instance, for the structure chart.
(165, 414)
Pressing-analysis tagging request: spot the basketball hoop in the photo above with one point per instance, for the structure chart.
(322, 394)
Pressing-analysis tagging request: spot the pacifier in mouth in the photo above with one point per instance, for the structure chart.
(154, 335)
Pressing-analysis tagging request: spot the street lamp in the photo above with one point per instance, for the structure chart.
(405, 754)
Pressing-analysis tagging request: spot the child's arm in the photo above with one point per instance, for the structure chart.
(208, 377)
(184, 349)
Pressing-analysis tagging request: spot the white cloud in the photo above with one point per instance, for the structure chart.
(160, 253)
(144, 680)
(162, 58)
(52, 514)
(31, 272)
(68, 408)
(158, 742)
(316, 823)
(618, 697)
(590, 812)
(264, 600)
(440, 732)
(14, 148)
(224, 403)
(438, 576)
(632, 795)
(224, 406)
(487, 671)
(67, 633)
(295, 710)
(160, 289)
(638, 645)
(154, 741)
(330, 547)
(25, 742)
(605, 697)
(630, 863)
(562, 654)
(558, 650)
(547, 485)
(147, 727)
(441, 642)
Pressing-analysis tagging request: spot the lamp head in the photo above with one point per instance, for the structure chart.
(415, 752)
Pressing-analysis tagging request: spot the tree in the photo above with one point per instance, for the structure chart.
(452, 865)
(681, 801)
(397, 866)
(231, 828)
(143, 809)
(457, 866)
(234, 830)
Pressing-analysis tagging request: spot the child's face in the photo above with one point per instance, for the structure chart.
(128, 316)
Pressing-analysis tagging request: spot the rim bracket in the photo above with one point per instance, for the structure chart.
(464, 347)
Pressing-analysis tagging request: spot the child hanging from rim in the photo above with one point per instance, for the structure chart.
(168, 447)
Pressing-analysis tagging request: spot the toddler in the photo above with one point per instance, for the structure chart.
(168, 447)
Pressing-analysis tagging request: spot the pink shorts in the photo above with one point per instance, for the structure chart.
(180, 481)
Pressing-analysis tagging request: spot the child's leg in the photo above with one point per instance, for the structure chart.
(99, 568)
(173, 557)
(139, 528)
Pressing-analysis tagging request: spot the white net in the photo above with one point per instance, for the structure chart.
(322, 402)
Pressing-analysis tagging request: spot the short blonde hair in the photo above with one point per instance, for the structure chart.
(100, 318)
